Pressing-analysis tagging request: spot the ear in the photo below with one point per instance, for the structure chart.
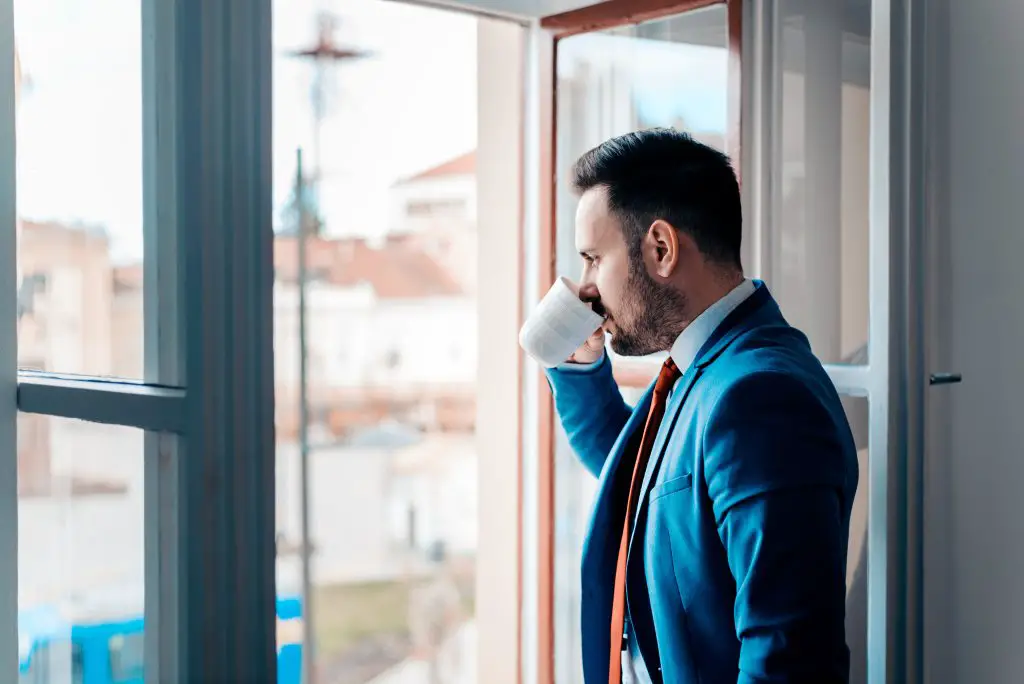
(662, 248)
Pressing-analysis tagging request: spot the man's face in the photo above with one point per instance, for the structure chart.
(642, 314)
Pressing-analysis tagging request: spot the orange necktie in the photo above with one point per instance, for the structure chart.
(666, 379)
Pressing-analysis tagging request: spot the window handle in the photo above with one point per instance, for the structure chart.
(944, 378)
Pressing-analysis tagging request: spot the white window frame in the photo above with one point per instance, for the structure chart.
(894, 379)
(207, 396)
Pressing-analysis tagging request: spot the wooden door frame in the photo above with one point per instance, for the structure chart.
(601, 16)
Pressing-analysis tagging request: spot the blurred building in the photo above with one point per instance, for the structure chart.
(392, 367)
(392, 361)
(67, 299)
(392, 321)
(437, 210)
(66, 324)
(391, 334)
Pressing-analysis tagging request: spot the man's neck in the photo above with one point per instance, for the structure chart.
(688, 343)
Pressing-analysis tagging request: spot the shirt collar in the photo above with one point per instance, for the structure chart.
(688, 344)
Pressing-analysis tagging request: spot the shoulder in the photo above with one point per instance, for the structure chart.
(771, 371)
(774, 419)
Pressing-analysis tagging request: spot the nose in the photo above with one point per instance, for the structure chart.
(589, 292)
(587, 278)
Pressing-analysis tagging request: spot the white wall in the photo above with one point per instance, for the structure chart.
(457, 188)
(498, 428)
(435, 338)
(974, 577)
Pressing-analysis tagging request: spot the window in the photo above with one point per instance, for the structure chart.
(79, 196)
(120, 232)
(612, 82)
(80, 536)
(820, 239)
(818, 268)
(812, 105)
(145, 367)
(389, 478)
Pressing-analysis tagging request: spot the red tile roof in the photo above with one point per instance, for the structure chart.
(398, 269)
(463, 165)
(55, 230)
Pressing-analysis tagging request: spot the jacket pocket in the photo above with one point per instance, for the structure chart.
(676, 484)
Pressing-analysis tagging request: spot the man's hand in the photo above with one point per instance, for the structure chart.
(593, 349)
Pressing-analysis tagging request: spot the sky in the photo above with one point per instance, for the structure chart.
(80, 123)
(669, 81)
(411, 104)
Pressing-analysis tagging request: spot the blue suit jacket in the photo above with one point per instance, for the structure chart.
(737, 564)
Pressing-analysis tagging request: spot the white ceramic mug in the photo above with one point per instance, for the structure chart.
(558, 325)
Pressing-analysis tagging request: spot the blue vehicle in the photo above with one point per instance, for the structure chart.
(55, 647)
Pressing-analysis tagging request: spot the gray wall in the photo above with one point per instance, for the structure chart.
(974, 549)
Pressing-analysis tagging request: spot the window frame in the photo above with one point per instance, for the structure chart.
(208, 262)
(9, 659)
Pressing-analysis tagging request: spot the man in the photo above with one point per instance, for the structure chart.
(717, 545)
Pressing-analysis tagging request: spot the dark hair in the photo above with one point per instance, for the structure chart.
(664, 173)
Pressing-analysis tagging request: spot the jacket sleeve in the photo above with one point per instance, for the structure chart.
(775, 466)
(591, 409)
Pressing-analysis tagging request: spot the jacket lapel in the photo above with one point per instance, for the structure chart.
(668, 426)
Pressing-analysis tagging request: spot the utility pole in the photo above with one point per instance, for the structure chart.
(324, 53)
(303, 217)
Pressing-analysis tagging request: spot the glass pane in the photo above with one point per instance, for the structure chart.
(79, 186)
(857, 560)
(670, 72)
(80, 550)
(391, 336)
(819, 268)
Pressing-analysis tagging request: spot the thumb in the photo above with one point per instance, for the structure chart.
(596, 340)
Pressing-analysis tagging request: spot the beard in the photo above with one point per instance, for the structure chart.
(651, 317)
